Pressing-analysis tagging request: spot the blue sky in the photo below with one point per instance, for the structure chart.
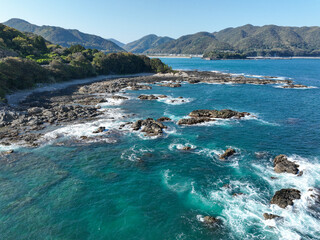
(128, 20)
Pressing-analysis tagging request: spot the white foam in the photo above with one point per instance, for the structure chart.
(110, 120)
(180, 146)
(174, 101)
(134, 153)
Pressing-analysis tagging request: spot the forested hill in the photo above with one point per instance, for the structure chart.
(143, 44)
(28, 59)
(269, 40)
(65, 37)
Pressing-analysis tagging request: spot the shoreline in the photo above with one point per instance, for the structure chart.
(27, 122)
(16, 97)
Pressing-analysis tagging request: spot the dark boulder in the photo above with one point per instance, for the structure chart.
(268, 216)
(285, 197)
(148, 97)
(117, 97)
(212, 221)
(282, 164)
(228, 153)
(99, 130)
(192, 121)
(164, 119)
(150, 126)
(225, 113)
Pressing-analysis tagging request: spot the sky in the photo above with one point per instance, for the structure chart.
(129, 20)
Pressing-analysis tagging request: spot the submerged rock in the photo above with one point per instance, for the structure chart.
(186, 148)
(212, 221)
(150, 126)
(282, 164)
(228, 153)
(285, 197)
(268, 216)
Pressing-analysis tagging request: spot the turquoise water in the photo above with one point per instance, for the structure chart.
(134, 187)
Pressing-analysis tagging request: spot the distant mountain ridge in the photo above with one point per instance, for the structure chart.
(66, 37)
(268, 40)
(143, 44)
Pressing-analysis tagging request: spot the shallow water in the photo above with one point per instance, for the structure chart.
(135, 187)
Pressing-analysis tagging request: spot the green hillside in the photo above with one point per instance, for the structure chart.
(145, 43)
(65, 37)
(269, 40)
(27, 59)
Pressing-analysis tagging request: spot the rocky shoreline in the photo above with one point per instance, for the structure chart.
(40, 113)
(28, 121)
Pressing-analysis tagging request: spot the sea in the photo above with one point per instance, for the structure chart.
(131, 186)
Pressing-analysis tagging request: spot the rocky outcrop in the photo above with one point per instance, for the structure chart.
(294, 86)
(269, 216)
(99, 130)
(283, 165)
(172, 85)
(192, 121)
(228, 153)
(164, 119)
(148, 97)
(117, 97)
(150, 126)
(225, 113)
(285, 197)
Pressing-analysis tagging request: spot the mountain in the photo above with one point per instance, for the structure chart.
(65, 37)
(145, 43)
(269, 40)
(120, 44)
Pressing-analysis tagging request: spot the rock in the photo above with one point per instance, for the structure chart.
(164, 119)
(228, 153)
(237, 194)
(192, 121)
(172, 85)
(226, 186)
(150, 126)
(225, 113)
(211, 220)
(83, 137)
(295, 86)
(285, 197)
(282, 164)
(186, 148)
(35, 110)
(140, 87)
(273, 178)
(268, 216)
(117, 97)
(193, 81)
(162, 96)
(148, 97)
(99, 130)
(8, 152)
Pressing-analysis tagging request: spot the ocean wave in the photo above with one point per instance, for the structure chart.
(135, 153)
(174, 101)
(110, 120)
(179, 146)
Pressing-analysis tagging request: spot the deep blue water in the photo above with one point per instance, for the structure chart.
(147, 188)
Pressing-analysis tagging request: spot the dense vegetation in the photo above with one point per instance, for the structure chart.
(250, 40)
(217, 55)
(143, 44)
(66, 37)
(38, 61)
